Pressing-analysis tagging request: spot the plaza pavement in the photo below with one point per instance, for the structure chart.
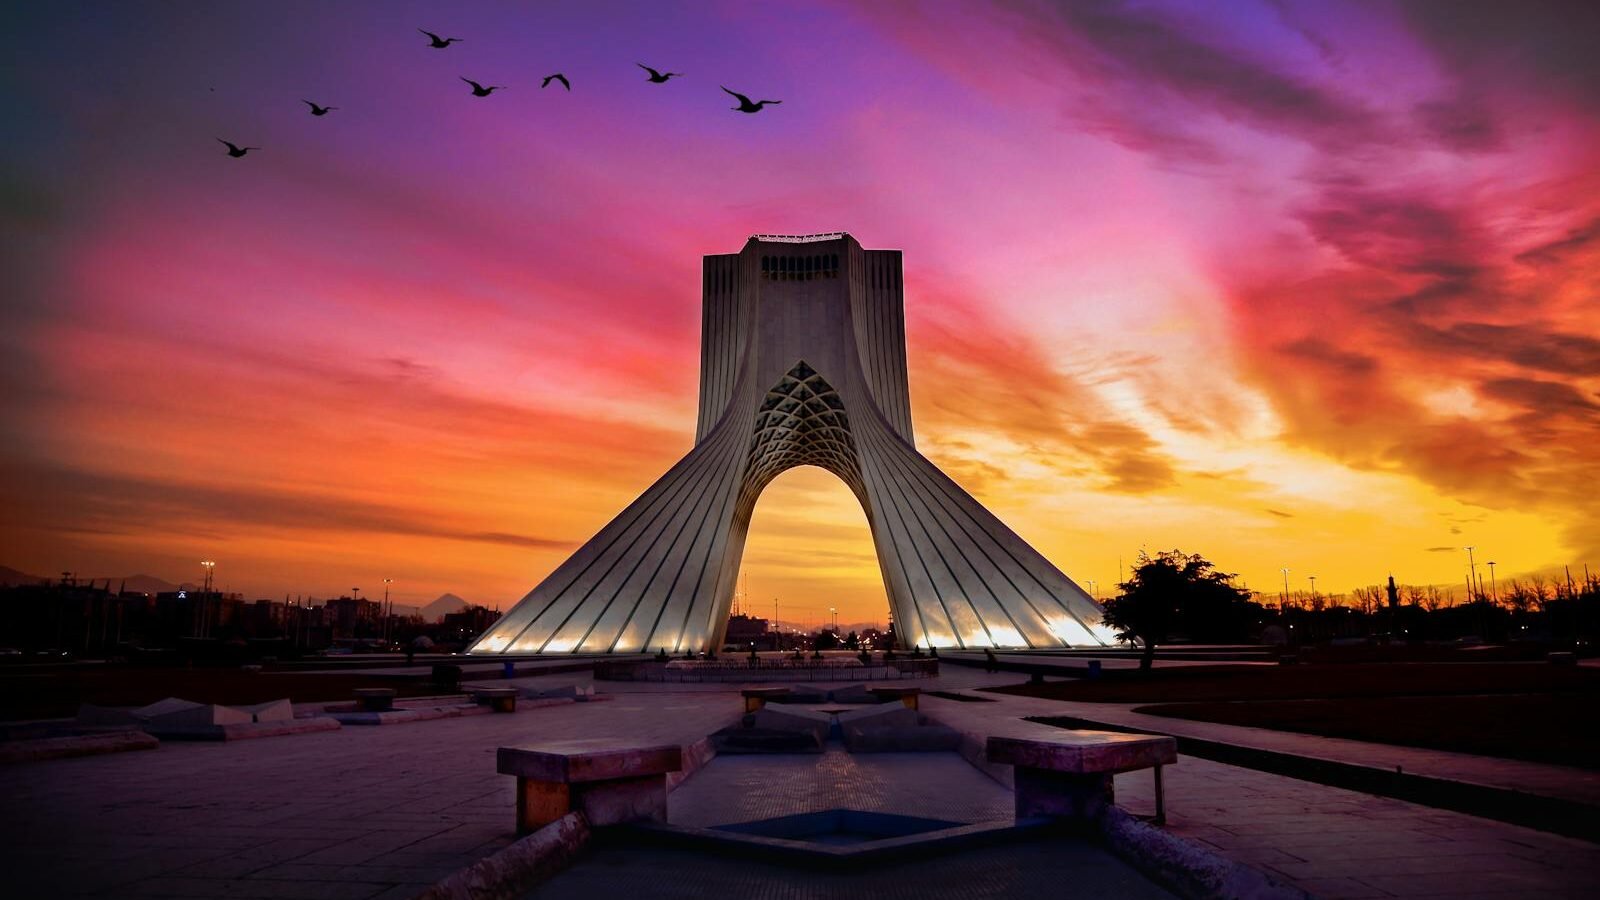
(1543, 779)
(383, 811)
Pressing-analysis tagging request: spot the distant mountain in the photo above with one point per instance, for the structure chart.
(447, 603)
(10, 576)
(147, 583)
(144, 584)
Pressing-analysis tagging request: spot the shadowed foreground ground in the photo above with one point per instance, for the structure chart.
(1033, 869)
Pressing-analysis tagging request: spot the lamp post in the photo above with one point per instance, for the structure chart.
(1285, 588)
(833, 619)
(388, 611)
(1313, 590)
(1472, 584)
(205, 597)
(1494, 587)
(1093, 590)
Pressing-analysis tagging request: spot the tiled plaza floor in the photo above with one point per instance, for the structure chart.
(355, 813)
(1529, 777)
(384, 811)
(1330, 842)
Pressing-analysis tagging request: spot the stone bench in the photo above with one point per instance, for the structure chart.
(609, 782)
(756, 698)
(906, 695)
(499, 699)
(1069, 775)
(374, 699)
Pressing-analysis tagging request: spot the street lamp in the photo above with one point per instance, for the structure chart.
(1494, 588)
(1313, 589)
(205, 597)
(1473, 568)
(1285, 604)
(833, 619)
(1093, 590)
(388, 611)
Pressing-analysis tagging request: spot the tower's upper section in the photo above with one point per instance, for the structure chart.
(821, 298)
(801, 238)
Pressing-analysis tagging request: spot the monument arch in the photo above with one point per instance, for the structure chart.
(802, 362)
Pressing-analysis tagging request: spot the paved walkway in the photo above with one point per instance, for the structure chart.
(1330, 842)
(382, 811)
(1544, 779)
(356, 813)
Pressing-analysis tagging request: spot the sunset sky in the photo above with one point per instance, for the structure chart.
(1304, 285)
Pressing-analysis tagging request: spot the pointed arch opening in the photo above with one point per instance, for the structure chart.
(809, 547)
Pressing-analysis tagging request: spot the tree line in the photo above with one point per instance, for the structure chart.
(1174, 596)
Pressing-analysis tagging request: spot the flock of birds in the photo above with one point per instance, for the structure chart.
(654, 76)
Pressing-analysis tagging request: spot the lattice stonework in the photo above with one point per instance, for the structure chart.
(802, 364)
(802, 422)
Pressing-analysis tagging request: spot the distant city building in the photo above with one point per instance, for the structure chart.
(352, 617)
(473, 620)
(746, 631)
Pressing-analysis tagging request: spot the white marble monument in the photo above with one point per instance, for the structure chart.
(802, 362)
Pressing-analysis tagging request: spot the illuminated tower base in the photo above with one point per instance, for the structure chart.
(802, 362)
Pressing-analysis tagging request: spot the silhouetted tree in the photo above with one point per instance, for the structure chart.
(1176, 593)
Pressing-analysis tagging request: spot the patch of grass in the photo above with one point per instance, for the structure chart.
(1549, 728)
(1305, 682)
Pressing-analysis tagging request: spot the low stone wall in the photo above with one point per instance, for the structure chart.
(742, 672)
(1186, 868)
(64, 746)
(516, 869)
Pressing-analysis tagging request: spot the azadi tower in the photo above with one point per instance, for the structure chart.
(802, 362)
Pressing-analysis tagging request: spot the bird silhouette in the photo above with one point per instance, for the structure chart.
(236, 151)
(436, 42)
(659, 77)
(479, 90)
(556, 77)
(318, 110)
(745, 105)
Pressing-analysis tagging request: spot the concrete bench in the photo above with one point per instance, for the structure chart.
(609, 782)
(1069, 776)
(906, 695)
(375, 699)
(756, 698)
(499, 699)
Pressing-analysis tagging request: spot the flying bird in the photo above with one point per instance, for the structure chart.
(318, 110)
(236, 151)
(436, 42)
(745, 105)
(479, 90)
(556, 77)
(659, 77)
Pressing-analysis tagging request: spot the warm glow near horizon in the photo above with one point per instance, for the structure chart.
(1293, 285)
